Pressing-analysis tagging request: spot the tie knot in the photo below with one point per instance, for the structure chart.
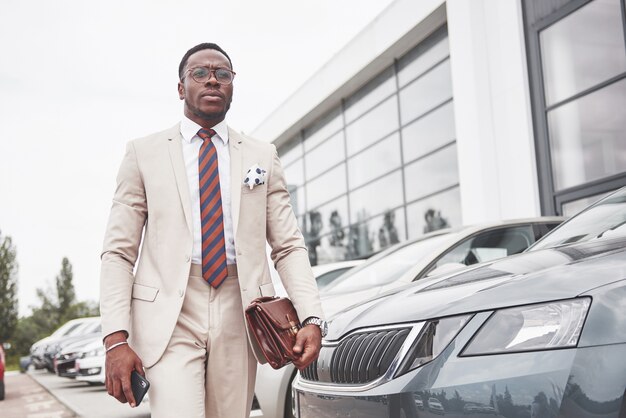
(206, 133)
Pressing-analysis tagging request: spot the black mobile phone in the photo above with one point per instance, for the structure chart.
(139, 386)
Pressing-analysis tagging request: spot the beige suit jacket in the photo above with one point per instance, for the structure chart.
(148, 242)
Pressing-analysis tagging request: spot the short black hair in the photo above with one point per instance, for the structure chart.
(200, 47)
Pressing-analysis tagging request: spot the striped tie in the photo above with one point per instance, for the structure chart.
(213, 243)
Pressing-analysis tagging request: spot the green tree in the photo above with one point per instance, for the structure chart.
(8, 288)
(66, 296)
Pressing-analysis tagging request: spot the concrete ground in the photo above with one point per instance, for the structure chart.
(25, 398)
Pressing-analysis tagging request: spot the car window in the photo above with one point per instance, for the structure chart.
(605, 219)
(489, 245)
(387, 269)
(86, 327)
(65, 329)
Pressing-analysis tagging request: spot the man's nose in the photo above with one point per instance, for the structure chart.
(212, 80)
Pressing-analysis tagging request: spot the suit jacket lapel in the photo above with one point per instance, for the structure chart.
(178, 164)
(235, 144)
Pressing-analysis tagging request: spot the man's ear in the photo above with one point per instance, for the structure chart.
(181, 90)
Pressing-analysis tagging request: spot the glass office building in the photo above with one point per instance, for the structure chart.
(468, 113)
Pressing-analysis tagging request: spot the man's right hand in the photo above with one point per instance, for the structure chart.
(120, 362)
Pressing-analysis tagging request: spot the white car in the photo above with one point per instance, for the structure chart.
(437, 252)
(435, 406)
(324, 274)
(90, 363)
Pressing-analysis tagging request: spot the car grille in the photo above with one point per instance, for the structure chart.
(359, 358)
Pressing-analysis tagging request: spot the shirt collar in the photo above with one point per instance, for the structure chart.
(189, 130)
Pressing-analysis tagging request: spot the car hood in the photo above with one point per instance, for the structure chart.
(531, 277)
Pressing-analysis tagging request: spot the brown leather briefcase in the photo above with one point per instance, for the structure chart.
(274, 323)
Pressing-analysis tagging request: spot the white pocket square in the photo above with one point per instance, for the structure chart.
(254, 176)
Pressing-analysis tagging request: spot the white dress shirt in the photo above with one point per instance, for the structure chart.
(191, 147)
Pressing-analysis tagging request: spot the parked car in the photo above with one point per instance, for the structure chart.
(2, 367)
(65, 361)
(324, 274)
(434, 406)
(89, 328)
(539, 334)
(443, 250)
(38, 349)
(90, 363)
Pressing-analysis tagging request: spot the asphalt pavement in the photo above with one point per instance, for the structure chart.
(39, 394)
(25, 398)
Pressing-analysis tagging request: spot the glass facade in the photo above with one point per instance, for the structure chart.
(382, 167)
(578, 57)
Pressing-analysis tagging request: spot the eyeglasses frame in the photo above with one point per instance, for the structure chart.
(211, 74)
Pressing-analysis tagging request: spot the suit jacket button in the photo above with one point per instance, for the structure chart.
(181, 292)
(188, 258)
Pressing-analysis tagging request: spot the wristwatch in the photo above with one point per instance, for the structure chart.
(319, 322)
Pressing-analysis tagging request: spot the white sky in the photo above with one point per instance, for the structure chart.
(78, 79)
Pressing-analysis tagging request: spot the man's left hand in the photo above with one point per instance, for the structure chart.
(308, 344)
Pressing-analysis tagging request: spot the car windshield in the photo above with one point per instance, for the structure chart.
(65, 329)
(386, 267)
(605, 219)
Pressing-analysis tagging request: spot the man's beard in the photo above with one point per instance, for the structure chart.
(208, 116)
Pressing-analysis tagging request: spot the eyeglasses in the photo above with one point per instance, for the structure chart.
(203, 74)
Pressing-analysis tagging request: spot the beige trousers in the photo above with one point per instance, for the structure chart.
(208, 368)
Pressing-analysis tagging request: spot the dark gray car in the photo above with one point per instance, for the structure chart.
(540, 334)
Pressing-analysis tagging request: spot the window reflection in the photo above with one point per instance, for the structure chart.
(377, 197)
(296, 195)
(294, 173)
(423, 56)
(582, 50)
(425, 93)
(323, 128)
(326, 187)
(429, 133)
(389, 229)
(327, 221)
(375, 91)
(571, 208)
(327, 154)
(375, 161)
(372, 235)
(329, 250)
(435, 212)
(290, 151)
(587, 137)
(432, 173)
(372, 126)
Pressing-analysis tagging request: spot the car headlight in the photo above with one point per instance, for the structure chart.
(93, 353)
(528, 328)
(434, 337)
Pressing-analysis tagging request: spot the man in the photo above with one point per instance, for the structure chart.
(187, 198)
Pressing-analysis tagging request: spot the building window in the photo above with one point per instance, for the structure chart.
(577, 62)
(382, 166)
